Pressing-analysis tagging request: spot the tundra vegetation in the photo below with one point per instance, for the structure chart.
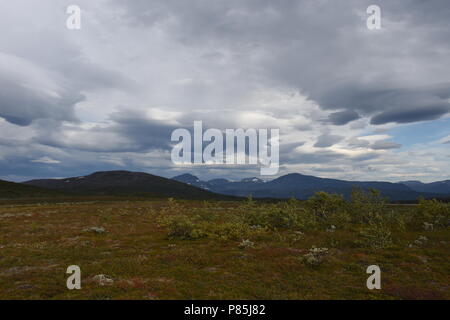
(185, 249)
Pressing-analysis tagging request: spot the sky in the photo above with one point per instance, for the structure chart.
(350, 103)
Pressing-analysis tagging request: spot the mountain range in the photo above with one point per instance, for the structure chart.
(433, 187)
(188, 186)
(303, 186)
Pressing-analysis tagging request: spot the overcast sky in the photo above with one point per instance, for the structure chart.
(350, 102)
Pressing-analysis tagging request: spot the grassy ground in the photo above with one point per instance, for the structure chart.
(149, 255)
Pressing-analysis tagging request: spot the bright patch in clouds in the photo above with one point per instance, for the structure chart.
(46, 160)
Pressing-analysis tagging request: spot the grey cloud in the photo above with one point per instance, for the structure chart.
(303, 127)
(323, 156)
(384, 145)
(46, 160)
(366, 156)
(27, 93)
(401, 105)
(44, 72)
(21, 106)
(343, 117)
(129, 131)
(368, 73)
(357, 142)
(231, 48)
(328, 169)
(424, 112)
(145, 132)
(327, 140)
(289, 147)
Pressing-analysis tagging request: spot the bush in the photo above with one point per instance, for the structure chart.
(249, 204)
(396, 220)
(433, 212)
(254, 217)
(182, 227)
(196, 227)
(367, 206)
(315, 256)
(233, 231)
(280, 216)
(375, 235)
(324, 205)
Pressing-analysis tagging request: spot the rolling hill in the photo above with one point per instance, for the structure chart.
(124, 183)
(12, 190)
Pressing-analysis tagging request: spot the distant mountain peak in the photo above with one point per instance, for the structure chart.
(411, 182)
(253, 179)
(432, 187)
(191, 180)
(186, 176)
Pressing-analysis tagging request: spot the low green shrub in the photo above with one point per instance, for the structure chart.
(367, 206)
(234, 231)
(324, 205)
(286, 215)
(315, 256)
(375, 235)
(433, 212)
(182, 227)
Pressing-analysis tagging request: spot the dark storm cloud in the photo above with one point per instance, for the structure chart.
(342, 117)
(324, 49)
(202, 60)
(44, 74)
(327, 140)
(21, 105)
(400, 105)
(147, 133)
(128, 131)
(24, 99)
(426, 112)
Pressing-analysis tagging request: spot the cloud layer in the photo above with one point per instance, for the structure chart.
(109, 95)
